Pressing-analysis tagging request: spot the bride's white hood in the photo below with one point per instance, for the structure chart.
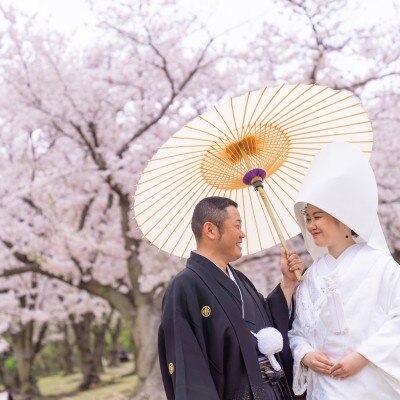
(341, 182)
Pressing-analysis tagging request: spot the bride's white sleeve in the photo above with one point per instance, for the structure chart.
(300, 346)
(383, 347)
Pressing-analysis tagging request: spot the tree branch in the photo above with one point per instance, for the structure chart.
(31, 204)
(95, 156)
(39, 343)
(122, 302)
(85, 213)
(168, 104)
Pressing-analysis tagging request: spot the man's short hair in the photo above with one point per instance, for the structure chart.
(211, 209)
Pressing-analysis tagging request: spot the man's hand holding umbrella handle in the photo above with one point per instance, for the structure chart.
(293, 263)
(290, 263)
(291, 266)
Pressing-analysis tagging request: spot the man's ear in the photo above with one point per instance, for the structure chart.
(210, 231)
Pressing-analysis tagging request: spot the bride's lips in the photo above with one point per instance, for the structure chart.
(315, 234)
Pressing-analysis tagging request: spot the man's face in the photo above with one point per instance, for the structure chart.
(230, 241)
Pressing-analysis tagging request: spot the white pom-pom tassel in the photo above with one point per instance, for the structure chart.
(270, 341)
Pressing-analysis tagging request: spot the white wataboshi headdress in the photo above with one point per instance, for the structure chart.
(340, 181)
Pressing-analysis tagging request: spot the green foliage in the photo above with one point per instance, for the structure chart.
(125, 338)
(48, 361)
(10, 364)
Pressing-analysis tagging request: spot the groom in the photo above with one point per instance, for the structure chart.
(206, 347)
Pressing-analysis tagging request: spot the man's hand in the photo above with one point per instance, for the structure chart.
(318, 362)
(348, 366)
(289, 263)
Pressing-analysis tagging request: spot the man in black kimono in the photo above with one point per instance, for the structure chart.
(206, 347)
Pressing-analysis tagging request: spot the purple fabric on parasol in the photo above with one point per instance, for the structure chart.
(258, 172)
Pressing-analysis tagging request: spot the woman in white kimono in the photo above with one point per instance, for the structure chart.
(346, 335)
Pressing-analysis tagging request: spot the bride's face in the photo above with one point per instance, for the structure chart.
(326, 230)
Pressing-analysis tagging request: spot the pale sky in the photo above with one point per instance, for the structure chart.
(218, 15)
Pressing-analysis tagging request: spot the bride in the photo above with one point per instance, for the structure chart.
(346, 335)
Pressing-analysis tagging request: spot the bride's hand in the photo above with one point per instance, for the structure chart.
(318, 362)
(348, 366)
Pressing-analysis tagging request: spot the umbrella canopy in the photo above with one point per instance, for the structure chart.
(275, 130)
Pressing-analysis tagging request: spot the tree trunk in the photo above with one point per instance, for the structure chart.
(66, 351)
(114, 335)
(144, 335)
(88, 366)
(145, 321)
(153, 388)
(99, 335)
(25, 354)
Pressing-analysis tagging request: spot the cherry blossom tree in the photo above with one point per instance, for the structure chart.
(25, 322)
(89, 318)
(32, 307)
(77, 127)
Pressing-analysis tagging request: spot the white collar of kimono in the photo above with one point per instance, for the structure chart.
(330, 265)
(362, 258)
(341, 182)
(350, 252)
(232, 277)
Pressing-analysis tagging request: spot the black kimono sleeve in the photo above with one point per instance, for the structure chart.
(184, 366)
(277, 305)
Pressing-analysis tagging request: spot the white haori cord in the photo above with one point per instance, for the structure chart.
(270, 342)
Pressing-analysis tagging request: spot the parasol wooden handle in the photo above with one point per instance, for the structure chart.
(277, 228)
(264, 198)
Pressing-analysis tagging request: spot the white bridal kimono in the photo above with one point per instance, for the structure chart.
(367, 282)
(352, 303)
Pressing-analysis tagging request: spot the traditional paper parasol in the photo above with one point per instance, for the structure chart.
(265, 139)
